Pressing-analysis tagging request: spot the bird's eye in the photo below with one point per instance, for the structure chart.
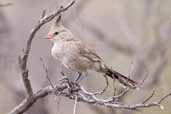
(56, 33)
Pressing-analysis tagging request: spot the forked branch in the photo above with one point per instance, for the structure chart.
(23, 59)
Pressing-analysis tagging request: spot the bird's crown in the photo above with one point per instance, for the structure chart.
(58, 31)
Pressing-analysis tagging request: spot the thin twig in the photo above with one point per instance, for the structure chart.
(126, 90)
(82, 96)
(145, 77)
(58, 103)
(131, 70)
(88, 97)
(162, 99)
(75, 104)
(148, 98)
(43, 13)
(105, 88)
(114, 88)
(46, 71)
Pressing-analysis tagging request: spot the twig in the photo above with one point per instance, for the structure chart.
(122, 93)
(43, 13)
(58, 103)
(148, 98)
(75, 104)
(105, 88)
(114, 88)
(87, 97)
(82, 96)
(160, 101)
(46, 71)
(131, 70)
(81, 5)
(145, 77)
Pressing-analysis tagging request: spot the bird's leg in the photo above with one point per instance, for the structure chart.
(79, 77)
(72, 87)
(64, 77)
(114, 88)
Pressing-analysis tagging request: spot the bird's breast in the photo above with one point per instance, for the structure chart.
(68, 54)
(62, 50)
(57, 51)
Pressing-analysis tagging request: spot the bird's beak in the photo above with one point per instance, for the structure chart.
(49, 37)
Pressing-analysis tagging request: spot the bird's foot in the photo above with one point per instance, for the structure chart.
(78, 77)
(64, 78)
(72, 86)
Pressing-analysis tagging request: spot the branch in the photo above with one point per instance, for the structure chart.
(78, 93)
(46, 71)
(23, 59)
(90, 98)
(28, 102)
(75, 105)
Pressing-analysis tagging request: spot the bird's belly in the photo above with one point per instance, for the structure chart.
(76, 63)
(65, 55)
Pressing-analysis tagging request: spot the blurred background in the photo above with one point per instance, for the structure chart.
(124, 33)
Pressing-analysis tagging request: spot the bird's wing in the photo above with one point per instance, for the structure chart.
(89, 54)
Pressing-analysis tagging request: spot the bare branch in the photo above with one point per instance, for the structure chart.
(29, 101)
(124, 92)
(148, 98)
(23, 59)
(160, 101)
(75, 105)
(77, 10)
(43, 13)
(90, 98)
(75, 91)
(145, 77)
(105, 88)
(58, 99)
(46, 71)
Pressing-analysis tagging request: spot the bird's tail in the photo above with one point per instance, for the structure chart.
(125, 81)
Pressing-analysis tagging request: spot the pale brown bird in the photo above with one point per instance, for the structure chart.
(76, 56)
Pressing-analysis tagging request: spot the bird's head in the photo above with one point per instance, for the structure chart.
(58, 31)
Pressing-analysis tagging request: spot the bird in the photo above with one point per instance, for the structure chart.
(76, 56)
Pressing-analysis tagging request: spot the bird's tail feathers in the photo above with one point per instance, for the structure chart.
(125, 81)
